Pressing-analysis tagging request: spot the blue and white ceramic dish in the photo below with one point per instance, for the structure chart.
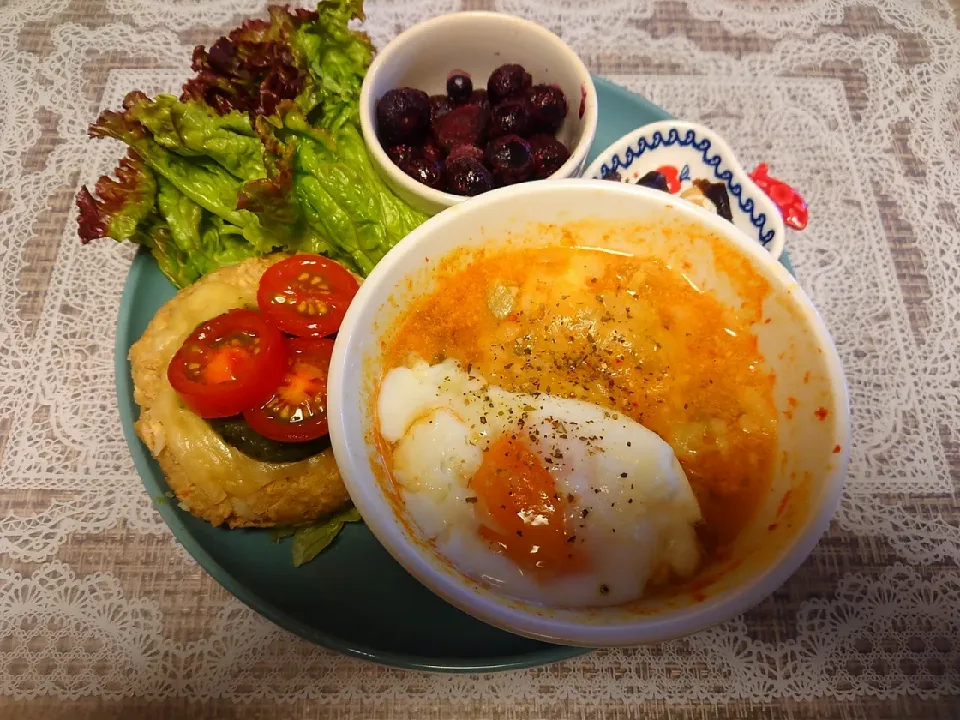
(687, 152)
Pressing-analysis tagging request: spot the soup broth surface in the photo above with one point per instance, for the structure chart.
(626, 333)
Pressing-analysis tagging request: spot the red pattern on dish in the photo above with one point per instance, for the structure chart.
(788, 201)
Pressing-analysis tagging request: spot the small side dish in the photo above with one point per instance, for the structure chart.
(469, 141)
(692, 162)
(463, 103)
(231, 379)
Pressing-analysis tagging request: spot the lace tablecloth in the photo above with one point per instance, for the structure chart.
(103, 615)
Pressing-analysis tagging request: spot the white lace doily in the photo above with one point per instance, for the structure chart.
(857, 106)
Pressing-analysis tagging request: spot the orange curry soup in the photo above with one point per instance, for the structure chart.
(623, 332)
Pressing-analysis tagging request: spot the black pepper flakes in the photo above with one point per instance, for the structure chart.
(471, 499)
(604, 589)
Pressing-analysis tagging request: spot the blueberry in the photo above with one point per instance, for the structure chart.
(459, 87)
(511, 117)
(462, 151)
(439, 106)
(465, 125)
(467, 176)
(403, 153)
(432, 151)
(479, 97)
(424, 171)
(403, 116)
(548, 107)
(506, 82)
(510, 159)
(549, 154)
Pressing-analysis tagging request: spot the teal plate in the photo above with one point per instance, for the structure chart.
(353, 598)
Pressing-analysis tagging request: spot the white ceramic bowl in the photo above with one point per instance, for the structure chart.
(810, 391)
(478, 43)
(695, 152)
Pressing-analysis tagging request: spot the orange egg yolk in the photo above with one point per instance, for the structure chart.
(521, 511)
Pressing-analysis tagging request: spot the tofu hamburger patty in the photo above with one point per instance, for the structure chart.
(210, 478)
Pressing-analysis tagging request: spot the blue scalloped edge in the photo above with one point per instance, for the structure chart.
(713, 161)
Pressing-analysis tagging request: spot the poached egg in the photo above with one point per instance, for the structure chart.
(556, 501)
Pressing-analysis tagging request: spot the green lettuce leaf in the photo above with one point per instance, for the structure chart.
(280, 534)
(346, 202)
(337, 58)
(202, 241)
(200, 178)
(194, 130)
(310, 541)
(186, 241)
(117, 208)
(348, 211)
(173, 262)
(262, 153)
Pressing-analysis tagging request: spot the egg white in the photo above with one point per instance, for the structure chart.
(633, 510)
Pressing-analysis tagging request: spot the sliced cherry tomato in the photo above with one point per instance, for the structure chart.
(297, 412)
(306, 295)
(230, 363)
